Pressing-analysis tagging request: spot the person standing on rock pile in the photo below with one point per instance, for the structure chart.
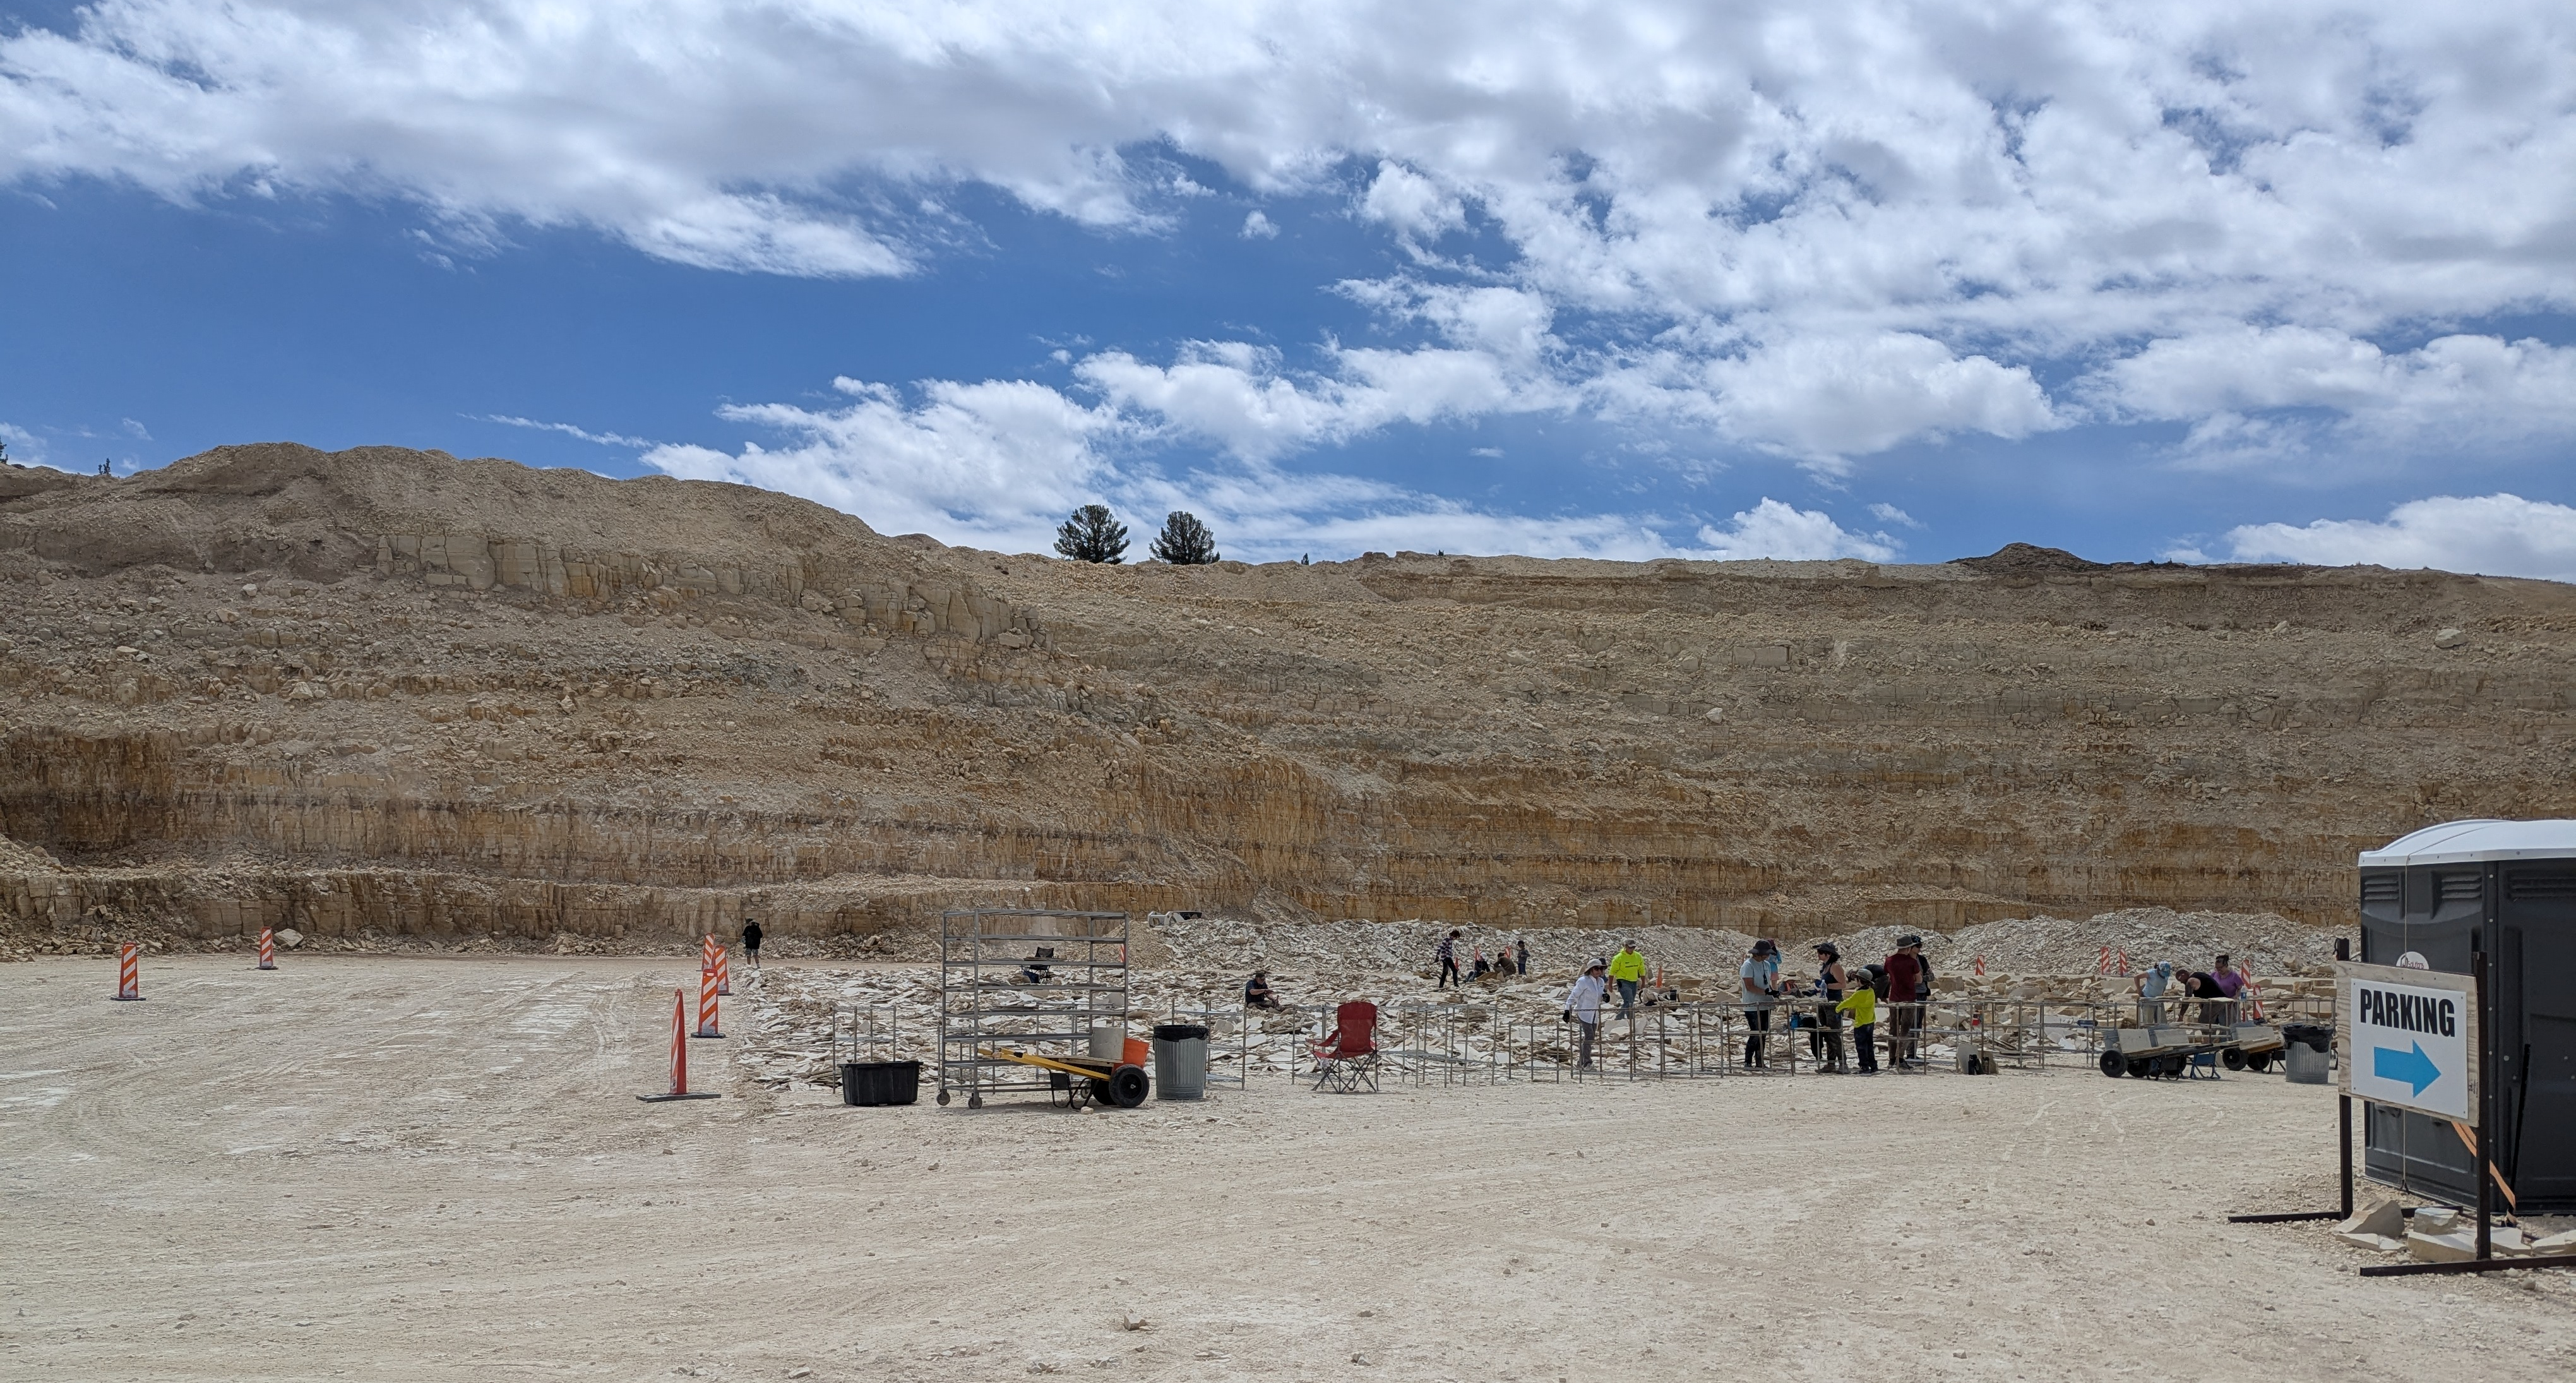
(1583, 1005)
(1520, 957)
(1905, 983)
(1629, 969)
(1447, 953)
(751, 940)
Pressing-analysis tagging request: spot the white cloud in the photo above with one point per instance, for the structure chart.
(604, 439)
(1776, 530)
(2451, 391)
(1241, 398)
(996, 463)
(2492, 535)
(1258, 227)
(999, 464)
(25, 448)
(1825, 227)
(1823, 400)
(1412, 205)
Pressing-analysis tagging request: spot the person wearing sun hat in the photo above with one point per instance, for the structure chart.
(1583, 1005)
(1760, 981)
(1825, 1039)
(1907, 981)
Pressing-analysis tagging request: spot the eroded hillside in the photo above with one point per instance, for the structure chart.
(390, 692)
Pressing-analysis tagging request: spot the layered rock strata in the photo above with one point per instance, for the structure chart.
(390, 692)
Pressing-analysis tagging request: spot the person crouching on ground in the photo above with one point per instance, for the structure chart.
(1256, 991)
(1583, 1005)
(1629, 969)
(1484, 967)
(751, 940)
(1862, 1004)
(1760, 981)
(1447, 954)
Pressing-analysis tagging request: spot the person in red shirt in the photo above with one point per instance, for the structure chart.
(1905, 1002)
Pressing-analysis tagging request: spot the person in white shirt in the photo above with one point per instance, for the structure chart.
(1583, 1005)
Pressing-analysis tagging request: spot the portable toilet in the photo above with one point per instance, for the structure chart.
(2507, 888)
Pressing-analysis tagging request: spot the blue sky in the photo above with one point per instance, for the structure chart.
(2278, 282)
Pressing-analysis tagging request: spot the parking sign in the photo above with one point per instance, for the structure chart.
(2408, 1038)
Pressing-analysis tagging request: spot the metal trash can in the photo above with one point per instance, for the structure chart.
(1180, 1061)
(2308, 1053)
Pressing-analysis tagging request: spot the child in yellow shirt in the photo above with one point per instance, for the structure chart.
(1862, 1006)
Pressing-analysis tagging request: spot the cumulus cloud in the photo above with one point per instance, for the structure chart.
(1257, 226)
(1000, 463)
(1826, 400)
(2233, 386)
(1777, 530)
(979, 463)
(1823, 228)
(2491, 535)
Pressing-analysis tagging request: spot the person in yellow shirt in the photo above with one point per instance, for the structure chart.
(1628, 969)
(1862, 1005)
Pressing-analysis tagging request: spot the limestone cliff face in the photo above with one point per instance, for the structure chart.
(393, 692)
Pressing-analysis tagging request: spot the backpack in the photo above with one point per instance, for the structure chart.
(1877, 980)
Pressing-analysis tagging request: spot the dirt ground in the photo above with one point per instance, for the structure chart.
(367, 1167)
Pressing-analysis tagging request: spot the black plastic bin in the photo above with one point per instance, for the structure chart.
(2319, 1036)
(880, 1082)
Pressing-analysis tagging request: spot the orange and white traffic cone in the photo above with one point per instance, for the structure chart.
(129, 972)
(707, 1005)
(679, 1055)
(724, 972)
(2124, 963)
(2103, 967)
(267, 950)
(707, 953)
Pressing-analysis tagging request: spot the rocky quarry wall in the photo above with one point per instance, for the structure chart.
(386, 694)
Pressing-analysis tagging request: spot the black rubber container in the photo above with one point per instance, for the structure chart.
(880, 1082)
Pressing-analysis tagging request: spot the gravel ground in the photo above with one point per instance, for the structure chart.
(383, 1168)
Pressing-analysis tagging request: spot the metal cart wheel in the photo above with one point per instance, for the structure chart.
(1100, 1093)
(2169, 1066)
(2259, 1061)
(2112, 1065)
(2232, 1059)
(975, 1102)
(2140, 1068)
(1128, 1087)
(943, 1097)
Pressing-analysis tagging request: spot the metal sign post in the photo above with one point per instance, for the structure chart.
(2424, 1040)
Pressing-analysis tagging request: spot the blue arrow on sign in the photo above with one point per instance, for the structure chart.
(2412, 1068)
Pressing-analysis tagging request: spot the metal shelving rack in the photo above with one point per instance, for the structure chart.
(985, 999)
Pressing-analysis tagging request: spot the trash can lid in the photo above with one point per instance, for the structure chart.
(1180, 1032)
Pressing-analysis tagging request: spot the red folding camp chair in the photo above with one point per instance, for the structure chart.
(1346, 1060)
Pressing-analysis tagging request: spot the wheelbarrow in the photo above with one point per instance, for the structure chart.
(1120, 1083)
